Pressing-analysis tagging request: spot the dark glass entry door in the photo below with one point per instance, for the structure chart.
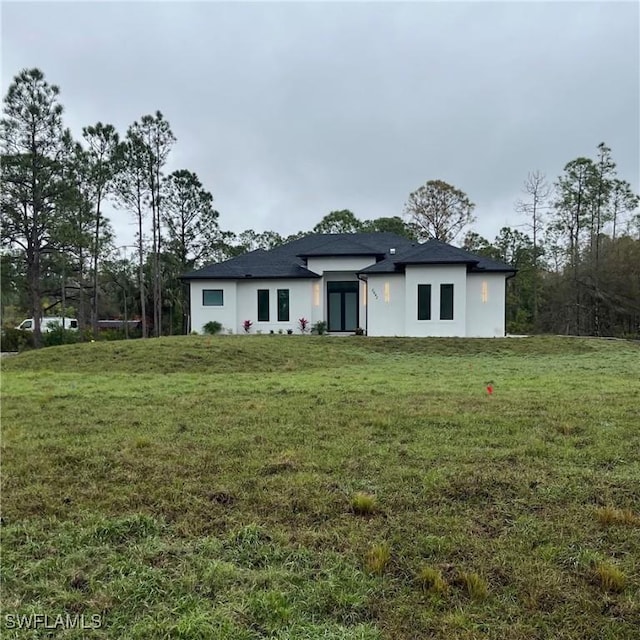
(342, 299)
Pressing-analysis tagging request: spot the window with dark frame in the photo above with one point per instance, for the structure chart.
(283, 305)
(446, 302)
(212, 298)
(263, 305)
(424, 302)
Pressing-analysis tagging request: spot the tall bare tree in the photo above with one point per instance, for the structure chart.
(537, 191)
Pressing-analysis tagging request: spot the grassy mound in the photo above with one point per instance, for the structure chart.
(254, 354)
(324, 488)
(185, 354)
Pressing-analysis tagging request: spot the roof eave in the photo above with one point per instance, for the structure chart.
(496, 270)
(405, 263)
(350, 254)
(309, 276)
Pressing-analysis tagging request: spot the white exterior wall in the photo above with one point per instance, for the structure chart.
(352, 264)
(385, 305)
(435, 275)
(300, 304)
(485, 313)
(318, 294)
(389, 306)
(200, 314)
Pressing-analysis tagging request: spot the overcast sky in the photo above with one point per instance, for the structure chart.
(289, 111)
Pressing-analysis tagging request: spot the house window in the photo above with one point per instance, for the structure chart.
(424, 302)
(485, 291)
(263, 305)
(283, 305)
(446, 302)
(212, 298)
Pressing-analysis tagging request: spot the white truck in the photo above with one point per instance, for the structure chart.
(49, 324)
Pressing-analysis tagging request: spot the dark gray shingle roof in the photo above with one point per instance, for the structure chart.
(256, 264)
(288, 260)
(436, 252)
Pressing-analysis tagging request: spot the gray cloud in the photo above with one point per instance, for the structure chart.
(288, 111)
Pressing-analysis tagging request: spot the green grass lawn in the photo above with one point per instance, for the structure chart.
(238, 488)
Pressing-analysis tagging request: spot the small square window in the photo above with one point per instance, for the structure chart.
(212, 298)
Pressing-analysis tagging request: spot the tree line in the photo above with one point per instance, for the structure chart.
(577, 249)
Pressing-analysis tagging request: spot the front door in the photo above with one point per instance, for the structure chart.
(343, 305)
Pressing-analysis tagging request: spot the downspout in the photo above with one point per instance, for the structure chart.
(366, 306)
(513, 275)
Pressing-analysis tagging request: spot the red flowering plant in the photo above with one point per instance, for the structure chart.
(304, 323)
(246, 325)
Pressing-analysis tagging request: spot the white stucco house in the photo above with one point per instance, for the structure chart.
(381, 282)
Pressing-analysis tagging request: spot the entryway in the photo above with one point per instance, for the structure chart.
(342, 300)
